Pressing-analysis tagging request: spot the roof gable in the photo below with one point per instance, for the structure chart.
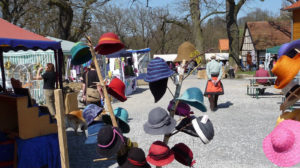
(294, 6)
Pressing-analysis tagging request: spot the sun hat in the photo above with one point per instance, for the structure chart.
(294, 115)
(194, 97)
(186, 126)
(288, 48)
(136, 158)
(158, 88)
(204, 128)
(123, 152)
(116, 88)
(159, 122)
(90, 112)
(160, 154)
(158, 69)
(80, 54)
(184, 52)
(183, 154)
(109, 141)
(282, 145)
(286, 69)
(121, 115)
(182, 109)
(109, 43)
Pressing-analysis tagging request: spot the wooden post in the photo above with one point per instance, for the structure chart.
(107, 100)
(62, 137)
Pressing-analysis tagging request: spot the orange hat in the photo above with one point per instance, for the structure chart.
(286, 69)
(109, 43)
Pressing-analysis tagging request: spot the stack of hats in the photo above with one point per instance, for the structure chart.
(157, 76)
(121, 115)
(116, 88)
(109, 43)
(80, 54)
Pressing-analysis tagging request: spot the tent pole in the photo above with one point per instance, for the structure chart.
(60, 67)
(2, 69)
(56, 68)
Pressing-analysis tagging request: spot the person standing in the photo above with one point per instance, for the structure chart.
(262, 73)
(214, 86)
(249, 61)
(49, 78)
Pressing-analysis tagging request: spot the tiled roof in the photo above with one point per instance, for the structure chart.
(295, 5)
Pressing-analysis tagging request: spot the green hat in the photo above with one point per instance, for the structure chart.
(122, 119)
(80, 54)
(194, 97)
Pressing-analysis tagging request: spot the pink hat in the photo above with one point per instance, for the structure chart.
(282, 145)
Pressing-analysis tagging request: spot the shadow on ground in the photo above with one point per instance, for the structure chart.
(225, 105)
(139, 90)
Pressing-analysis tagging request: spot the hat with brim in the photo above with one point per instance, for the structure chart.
(90, 112)
(121, 115)
(282, 145)
(158, 88)
(194, 97)
(183, 154)
(108, 44)
(116, 88)
(204, 128)
(80, 54)
(159, 122)
(286, 69)
(160, 154)
(182, 109)
(136, 159)
(294, 115)
(288, 48)
(186, 126)
(158, 69)
(109, 141)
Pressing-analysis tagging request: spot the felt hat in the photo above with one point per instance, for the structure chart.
(80, 54)
(184, 52)
(288, 48)
(286, 69)
(78, 114)
(294, 115)
(160, 154)
(108, 44)
(182, 109)
(121, 115)
(158, 69)
(136, 159)
(116, 88)
(159, 122)
(109, 141)
(183, 154)
(186, 126)
(204, 128)
(282, 145)
(123, 152)
(90, 112)
(194, 97)
(158, 88)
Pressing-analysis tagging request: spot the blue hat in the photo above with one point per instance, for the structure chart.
(121, 115)
(80, 54)
(158, 69)
(90, 112)
(194, 97)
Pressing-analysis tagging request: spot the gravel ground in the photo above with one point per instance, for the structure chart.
(240, 123)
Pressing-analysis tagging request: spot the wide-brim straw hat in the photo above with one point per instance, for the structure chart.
(282, 145)
(109, 43)
(80, 54)
(286, 69)
(184, 52)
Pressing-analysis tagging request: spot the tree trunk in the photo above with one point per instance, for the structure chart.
(196, 27)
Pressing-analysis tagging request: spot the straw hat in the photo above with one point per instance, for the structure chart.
(286, 69)
(184, 52)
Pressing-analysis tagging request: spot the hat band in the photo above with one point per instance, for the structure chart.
(136, 163)
(109, 39)
(165, 121)
(113, 139)
(199, 131)
(160, 156)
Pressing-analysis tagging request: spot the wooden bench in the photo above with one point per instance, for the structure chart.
(253, 87)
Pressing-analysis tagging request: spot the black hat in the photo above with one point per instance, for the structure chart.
(158, 88)
(110, 140)
(123, 152)
(136, 159)
(204, 128)
(186, 126)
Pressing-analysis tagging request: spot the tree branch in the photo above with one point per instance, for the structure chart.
(239, 5)
(212, 13)
(176, 22)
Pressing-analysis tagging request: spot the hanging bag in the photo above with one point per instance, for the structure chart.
(92, 95)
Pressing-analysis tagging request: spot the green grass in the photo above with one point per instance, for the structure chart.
(246, 72)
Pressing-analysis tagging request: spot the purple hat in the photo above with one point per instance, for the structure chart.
(182, 109)
(90, 112)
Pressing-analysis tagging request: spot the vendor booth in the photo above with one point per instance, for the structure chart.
(18, 116)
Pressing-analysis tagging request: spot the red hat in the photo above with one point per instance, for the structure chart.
(183, 154)
(109, 43)
(160, 154)
(116, 88)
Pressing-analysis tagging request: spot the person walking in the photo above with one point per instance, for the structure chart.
(214, 86)
(49, 78)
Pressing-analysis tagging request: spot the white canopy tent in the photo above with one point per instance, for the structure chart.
(166, 57)
(221, 56)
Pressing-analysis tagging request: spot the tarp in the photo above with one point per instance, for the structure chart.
(221, 56)
(140, 51)
(273, 50)
(65, 44)
(166, 57)
(121, 53)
